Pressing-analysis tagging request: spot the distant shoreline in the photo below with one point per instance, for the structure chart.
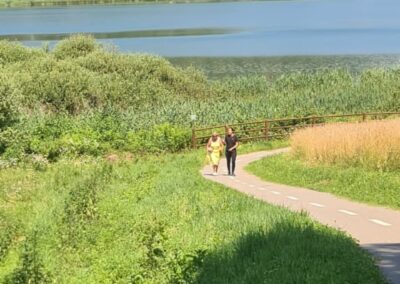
(4, 4)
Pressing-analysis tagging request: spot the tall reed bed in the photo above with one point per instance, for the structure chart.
(372, 144)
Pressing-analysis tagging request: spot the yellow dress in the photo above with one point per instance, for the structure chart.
(216, 152)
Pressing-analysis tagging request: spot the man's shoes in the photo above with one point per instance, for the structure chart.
(233, 174)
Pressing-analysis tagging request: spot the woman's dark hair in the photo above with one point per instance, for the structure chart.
(231, 128)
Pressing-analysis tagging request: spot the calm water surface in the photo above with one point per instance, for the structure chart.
(220, 29)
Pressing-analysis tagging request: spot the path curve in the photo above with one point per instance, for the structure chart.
(376, 228)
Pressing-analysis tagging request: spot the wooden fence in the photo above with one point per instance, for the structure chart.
(280, 128)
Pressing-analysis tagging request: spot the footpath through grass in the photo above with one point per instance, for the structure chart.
(157, 220)
(356, 183)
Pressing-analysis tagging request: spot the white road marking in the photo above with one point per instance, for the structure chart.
(276, 192)
(251, 185)
(347, 212)
(292, 197)
(317, 204)
(379, 222)
(262, 188)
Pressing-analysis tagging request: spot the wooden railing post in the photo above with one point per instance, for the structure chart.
(194, 138)
(266, 129)
(364, 116)
(313, 119)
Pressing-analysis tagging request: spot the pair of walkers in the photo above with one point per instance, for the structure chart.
(215, 147)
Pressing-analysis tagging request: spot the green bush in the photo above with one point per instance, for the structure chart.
(31, 269)
(160, 138)
(8, 230)
(75, 46)
(9, 97)
(11, 52)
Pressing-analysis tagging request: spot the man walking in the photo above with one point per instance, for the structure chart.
(231, 141)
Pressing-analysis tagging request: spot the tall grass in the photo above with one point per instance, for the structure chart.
(157, 220)
(372, 144)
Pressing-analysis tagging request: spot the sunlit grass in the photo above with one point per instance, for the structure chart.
(157, 220)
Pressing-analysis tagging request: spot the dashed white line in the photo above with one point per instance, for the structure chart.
(347, 212)
(262, 188)
(251, 185)
(379, 222)
(317, 204)
(292, 197)
(276, 192)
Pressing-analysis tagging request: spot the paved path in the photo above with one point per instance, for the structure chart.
(377, 229)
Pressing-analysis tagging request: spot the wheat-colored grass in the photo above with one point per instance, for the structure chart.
(372, 144)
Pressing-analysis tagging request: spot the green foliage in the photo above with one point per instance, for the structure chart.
(76, 46)
(9, 97)
(8, 230)
(31, 269)
(11, 52)
(157, 220)
(162, 137)
(81, 204)
(95, 101)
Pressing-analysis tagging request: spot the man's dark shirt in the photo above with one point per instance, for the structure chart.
(230, 141)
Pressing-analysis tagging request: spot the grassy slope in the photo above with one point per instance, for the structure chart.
(380, 188)
(156, 220)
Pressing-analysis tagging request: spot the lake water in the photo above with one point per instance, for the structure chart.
(220, 29)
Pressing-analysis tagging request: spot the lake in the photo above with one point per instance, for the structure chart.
(269, 28)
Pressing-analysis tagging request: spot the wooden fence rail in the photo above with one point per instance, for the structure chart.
(279, 128)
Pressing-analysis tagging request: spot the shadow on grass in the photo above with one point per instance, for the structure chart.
(388, 256)
(291, 252)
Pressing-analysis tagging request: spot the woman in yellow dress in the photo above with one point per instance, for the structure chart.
(214, 150)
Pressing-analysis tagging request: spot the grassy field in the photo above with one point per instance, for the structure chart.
(156, 220)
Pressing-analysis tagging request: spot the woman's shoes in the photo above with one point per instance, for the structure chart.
(214, 174)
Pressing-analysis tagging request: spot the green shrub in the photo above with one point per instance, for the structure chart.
(9, 101)
(75, 46)
(11, 52)
(164, 137)
(8, 230)
(31, 269)
(80, 207)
